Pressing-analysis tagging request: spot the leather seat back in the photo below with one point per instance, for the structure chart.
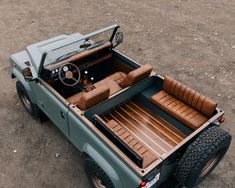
(189, 96)
(136, 75)
(85, 100)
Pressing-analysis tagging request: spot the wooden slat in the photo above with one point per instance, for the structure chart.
(155, 120)
(131, 141)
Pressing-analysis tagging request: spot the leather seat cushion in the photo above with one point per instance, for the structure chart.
(179, 110)
(108, 82)
(85, 100)
(136, 75)
(118, 76)
(112, 82)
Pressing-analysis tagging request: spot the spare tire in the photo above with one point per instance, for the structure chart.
(202, 156)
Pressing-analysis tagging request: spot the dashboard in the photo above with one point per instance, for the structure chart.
(83, 61)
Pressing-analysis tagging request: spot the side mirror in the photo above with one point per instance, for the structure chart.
(118, 38)
(27, 73)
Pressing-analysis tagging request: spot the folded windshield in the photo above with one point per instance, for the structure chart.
(89, 41)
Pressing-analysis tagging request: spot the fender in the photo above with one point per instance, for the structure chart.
(106, 167)
(26, 85)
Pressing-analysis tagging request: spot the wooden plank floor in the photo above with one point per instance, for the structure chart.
(156, 135)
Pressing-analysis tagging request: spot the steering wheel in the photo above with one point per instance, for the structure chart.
(69, 74)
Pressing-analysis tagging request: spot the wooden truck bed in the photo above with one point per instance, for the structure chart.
(144, 132)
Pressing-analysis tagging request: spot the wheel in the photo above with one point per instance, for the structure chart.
(30, 107)
(96, 176)
(202, 156)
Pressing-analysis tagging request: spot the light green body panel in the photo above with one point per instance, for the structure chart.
(87, 142)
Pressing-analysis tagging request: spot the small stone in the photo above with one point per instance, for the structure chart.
(219, 95)
(15, 151)
(57, 155)
(233, 47)
(109, 14)
(18, 104)
(229, 97)
(212, 77)
(215, 33)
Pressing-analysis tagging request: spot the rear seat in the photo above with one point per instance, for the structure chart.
(183, 103)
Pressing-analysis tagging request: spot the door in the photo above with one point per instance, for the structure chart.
(55, 109)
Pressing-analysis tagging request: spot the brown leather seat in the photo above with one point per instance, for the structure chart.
(120, 80)
(183, 103)
(85, 100)
(136, 75)
(112, 82)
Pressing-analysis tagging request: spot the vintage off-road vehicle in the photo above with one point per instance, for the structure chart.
(133, 127)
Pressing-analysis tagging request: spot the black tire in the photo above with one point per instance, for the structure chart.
(96, 176)
(202, 156)
(30, 107)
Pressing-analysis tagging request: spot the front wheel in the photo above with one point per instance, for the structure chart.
(96, 176)
(30, 107)
(202, 156)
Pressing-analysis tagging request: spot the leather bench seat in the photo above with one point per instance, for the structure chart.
(183, 103)
(85, 100)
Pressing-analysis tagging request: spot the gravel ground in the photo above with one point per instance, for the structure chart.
(188, 40)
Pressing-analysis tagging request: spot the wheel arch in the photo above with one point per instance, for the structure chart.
(18, 75)
(91, 152)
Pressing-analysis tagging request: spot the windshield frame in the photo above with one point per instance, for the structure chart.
(84, 38)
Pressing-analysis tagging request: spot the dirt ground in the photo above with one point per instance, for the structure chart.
(188, 40)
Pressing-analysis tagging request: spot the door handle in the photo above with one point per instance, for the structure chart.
(62, 114)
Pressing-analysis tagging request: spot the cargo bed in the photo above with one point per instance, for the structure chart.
(148, 135)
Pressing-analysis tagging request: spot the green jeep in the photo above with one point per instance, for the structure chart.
(133, 127)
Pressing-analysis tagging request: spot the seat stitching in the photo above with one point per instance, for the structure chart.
(164, 96)
(180, 107)
(168, 99)
(197, 106)
(179, 90)
(174, 89)
(190, 112)
(176, 104)
(183, 93)
(170, 86)
(185, 110)
(188, 96)
(202, 104)
(194, 115)
(197, 100)
(191, 91)
(171, 102)
(186, 100)
(193, 98)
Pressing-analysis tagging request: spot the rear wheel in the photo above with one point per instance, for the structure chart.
(30, 107)
(202, 156)
(96, 176)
